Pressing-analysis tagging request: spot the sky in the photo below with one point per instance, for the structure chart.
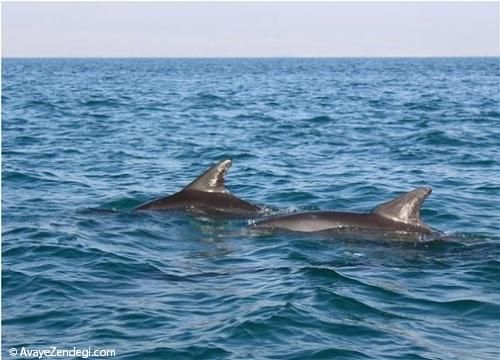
(244, 29)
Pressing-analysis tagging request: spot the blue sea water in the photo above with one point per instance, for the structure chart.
(80, 136)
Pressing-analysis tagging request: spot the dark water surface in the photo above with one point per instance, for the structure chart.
(303, 134)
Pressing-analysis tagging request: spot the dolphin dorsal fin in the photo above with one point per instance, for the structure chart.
(212, 180)
(405, 208)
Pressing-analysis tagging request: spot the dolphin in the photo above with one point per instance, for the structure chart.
(206, 195)
(401, 215)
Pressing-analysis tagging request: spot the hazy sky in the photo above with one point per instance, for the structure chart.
(250, 29)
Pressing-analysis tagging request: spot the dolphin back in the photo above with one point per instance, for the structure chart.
(205, 195)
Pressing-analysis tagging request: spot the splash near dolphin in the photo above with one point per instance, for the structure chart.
(400, 215)
(205, 195)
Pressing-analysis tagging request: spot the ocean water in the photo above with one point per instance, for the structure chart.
(84, 136)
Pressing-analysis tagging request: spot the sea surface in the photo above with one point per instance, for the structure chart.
(84, 141)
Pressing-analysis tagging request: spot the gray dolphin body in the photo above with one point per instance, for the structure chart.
(206, 195)
(400, 215)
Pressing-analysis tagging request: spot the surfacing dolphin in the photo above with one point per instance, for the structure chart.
(206, 195)
(401, 215)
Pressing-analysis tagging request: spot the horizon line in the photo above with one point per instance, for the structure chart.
(257, 57)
